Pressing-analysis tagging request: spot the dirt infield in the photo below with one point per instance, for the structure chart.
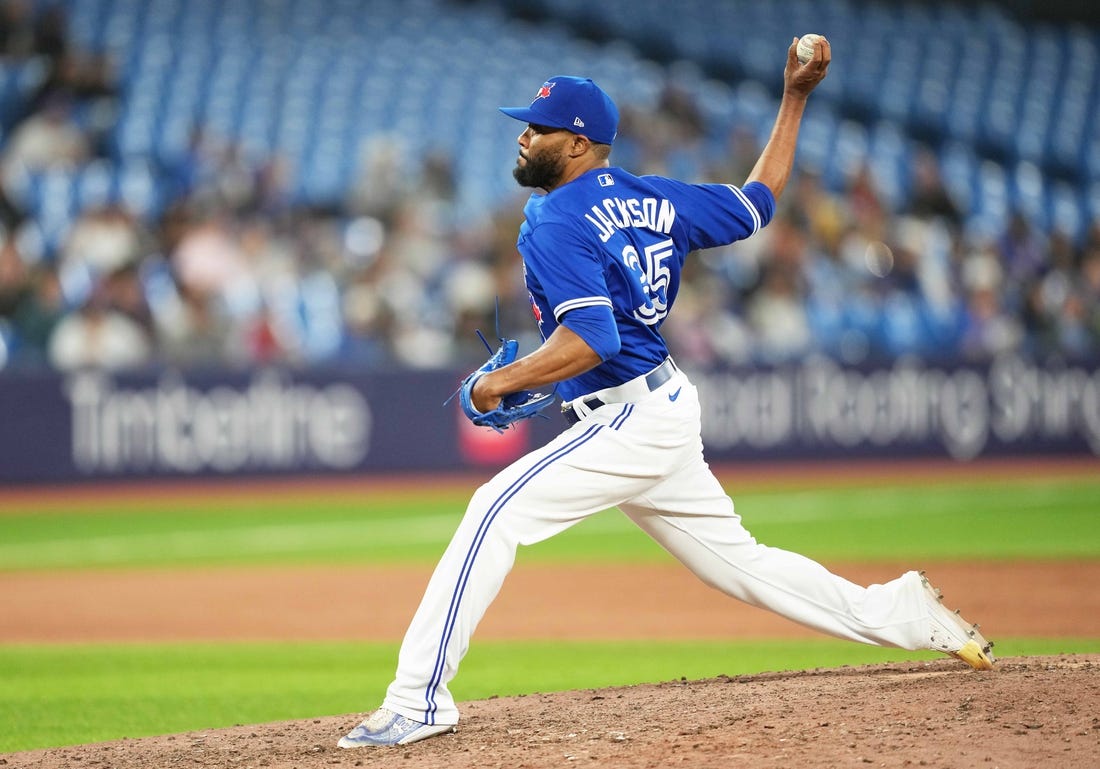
(584, 602)
(1029, 712)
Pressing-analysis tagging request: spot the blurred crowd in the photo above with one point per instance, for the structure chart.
(230, 271)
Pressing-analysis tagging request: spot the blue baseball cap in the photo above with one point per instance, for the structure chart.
(575, 104)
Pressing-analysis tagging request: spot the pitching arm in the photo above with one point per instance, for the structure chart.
(773, 168)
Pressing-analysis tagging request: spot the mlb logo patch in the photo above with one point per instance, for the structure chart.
(605, 180)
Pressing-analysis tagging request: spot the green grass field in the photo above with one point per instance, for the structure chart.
(74, 693)
(1007, 518)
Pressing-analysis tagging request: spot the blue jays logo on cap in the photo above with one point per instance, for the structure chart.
(574, 103)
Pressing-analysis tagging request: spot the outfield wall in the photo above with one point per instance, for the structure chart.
(169, 425)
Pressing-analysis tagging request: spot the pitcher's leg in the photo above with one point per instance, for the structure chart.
(692, 517)
(464, 583)
(578, 474)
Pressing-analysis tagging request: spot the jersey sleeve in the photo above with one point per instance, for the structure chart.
(595, 324)
(719, 214)
(567, 267)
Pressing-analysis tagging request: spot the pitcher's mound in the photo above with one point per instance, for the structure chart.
(1028, 712)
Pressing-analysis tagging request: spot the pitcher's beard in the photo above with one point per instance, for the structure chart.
(539, 171)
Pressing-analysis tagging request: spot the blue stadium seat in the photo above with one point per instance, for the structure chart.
(311, 80)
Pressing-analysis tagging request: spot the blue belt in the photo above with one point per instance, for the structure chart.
(653, 380)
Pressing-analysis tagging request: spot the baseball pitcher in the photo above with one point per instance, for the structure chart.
(602, 254)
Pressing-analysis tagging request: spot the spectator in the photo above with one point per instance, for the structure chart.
(930, 198)
(14, 283)
(37, 315)
(17, 41)
(99, 337)
(101, 242)
(1090, 296)
(125, 294)
(209, 260)
(1022, 254)
(47, 139)
(192, 331)
(777, 308)
(50, 33)
(988, 328)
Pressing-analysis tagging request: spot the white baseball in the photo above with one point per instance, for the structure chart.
(805, 50)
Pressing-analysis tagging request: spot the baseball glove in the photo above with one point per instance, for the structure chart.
(514, 407)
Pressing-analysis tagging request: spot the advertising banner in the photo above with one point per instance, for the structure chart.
(820, 408)
(91, 425)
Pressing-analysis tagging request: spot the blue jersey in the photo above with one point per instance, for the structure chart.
(612, 239)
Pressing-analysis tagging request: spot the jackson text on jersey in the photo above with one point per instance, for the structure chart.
(654, 214)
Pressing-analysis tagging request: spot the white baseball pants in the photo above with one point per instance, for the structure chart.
(646, 458)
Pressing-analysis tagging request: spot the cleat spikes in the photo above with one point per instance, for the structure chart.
(952, 635)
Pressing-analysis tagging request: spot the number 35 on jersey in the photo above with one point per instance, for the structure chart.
(653, 275)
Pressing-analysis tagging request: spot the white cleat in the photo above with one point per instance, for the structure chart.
(384, 727)
(951, 634)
